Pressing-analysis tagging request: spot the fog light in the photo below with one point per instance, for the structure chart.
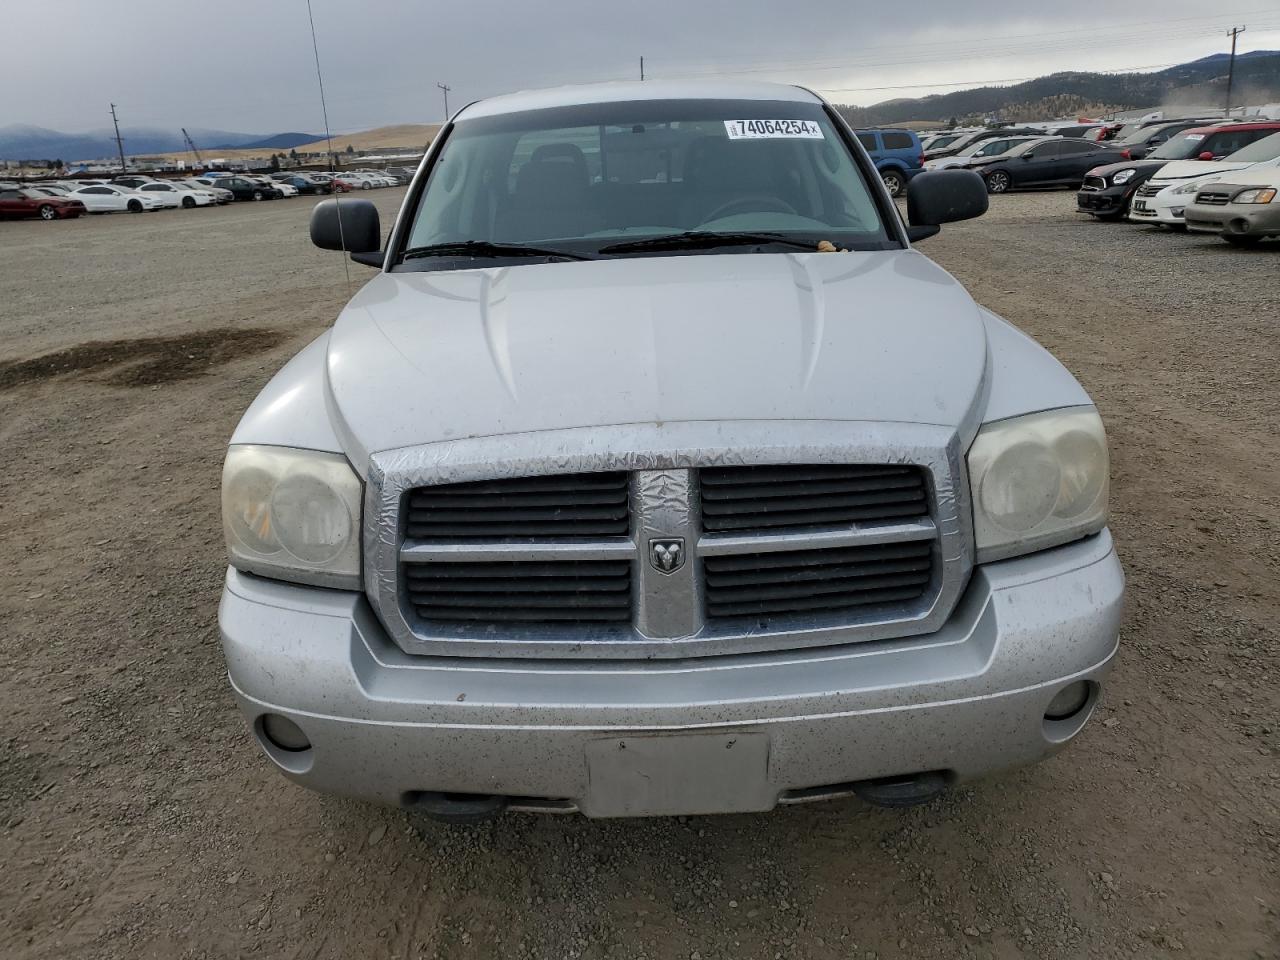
(1069, 701)
(284, 733)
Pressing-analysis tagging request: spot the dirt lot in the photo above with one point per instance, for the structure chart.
(138, 820)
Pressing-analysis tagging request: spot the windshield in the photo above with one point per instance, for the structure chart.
(992, 148)
(1268, 148)
(586, 178)
(1179, 148)
(937, 143)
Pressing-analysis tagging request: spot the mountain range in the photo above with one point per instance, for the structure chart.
(24, 142)
(1200, 83)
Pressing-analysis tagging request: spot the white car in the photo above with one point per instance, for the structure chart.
(1164, 198)
(356, 181)
(978, 151)
(110, 198)
(219, 194)
(179, 194)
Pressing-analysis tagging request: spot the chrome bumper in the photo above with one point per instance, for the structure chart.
(968, 699)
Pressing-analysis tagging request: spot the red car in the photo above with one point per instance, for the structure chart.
(21, 202)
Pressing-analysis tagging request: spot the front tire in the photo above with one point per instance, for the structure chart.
(47, 212)
(894, 182)
(257, 194)
(998, 182)
(188, 202)
(135, 206)
(366, 185)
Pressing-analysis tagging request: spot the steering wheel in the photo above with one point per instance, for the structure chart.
(754, 204)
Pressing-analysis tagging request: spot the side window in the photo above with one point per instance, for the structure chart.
(100, 191)
(897, 141)
(868, 140)
(1220, 144)
(1046, 151)
(1070, 147)
(10, 195)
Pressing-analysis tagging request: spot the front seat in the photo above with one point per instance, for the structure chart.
(552, 197)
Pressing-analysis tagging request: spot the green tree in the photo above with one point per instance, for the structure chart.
(350, 148)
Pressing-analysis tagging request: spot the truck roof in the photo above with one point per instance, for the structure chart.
(633, 90)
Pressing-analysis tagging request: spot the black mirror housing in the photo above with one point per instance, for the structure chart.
(945, 196)
(350, 225)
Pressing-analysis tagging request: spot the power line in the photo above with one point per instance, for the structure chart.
(1089, 34)
(997, 47)
(965, 83)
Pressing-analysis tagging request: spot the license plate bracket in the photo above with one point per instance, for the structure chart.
(678, 774)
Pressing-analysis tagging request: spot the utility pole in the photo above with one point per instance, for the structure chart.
(119, 143)
(642, 69)
(445, 88)
(1231, 70)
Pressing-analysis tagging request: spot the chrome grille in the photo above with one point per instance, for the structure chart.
(577, 505)
(555, 545)
(516, 591)
(1213, 198)
(786, 497)
(827, 581)
(1149, 190)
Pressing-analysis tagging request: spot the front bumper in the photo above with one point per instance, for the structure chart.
(968, 700)
(1236, 219)
(1167, 210)
(1109, 201)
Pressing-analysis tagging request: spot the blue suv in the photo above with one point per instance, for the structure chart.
(897, 155)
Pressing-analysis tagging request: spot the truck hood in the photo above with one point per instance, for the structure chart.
(423, 357)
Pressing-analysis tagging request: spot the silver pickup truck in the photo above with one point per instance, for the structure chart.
(655, 472)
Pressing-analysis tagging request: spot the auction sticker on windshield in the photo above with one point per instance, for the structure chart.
(772, 129)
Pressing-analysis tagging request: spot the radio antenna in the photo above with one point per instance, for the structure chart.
(328, 139)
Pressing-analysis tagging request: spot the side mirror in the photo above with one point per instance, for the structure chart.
(944, 196)
(1207, 155)
(350, 225)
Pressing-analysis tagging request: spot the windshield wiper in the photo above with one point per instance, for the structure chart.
(703, 239)
(487, 248)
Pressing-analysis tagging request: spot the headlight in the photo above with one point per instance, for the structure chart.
(1123, 177)
(1259, 195)
(1195, 185)
(292, 515)
(1038, 481)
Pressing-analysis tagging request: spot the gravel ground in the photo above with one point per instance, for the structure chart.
(138, 820)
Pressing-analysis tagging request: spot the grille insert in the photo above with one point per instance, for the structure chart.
(1214, 199)
(777, 498)
(832, 580)
(584, 505)
(520, 591)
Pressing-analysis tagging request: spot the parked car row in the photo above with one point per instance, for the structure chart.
(1220, 178)
(1158, 187)
(138, 193)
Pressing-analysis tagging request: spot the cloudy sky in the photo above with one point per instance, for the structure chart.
(251, 69)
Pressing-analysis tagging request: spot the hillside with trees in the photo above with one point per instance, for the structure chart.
(1199, 83)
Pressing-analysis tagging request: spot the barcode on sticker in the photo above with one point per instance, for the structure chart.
(768, 129)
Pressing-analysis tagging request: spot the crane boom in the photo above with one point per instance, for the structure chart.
(192, 147)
